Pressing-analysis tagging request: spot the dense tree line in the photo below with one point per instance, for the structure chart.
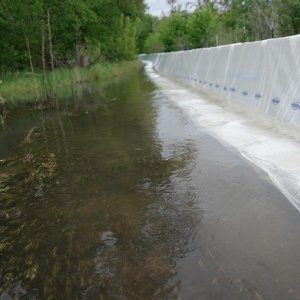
(65, 32)
(217, 22)
(107, 29)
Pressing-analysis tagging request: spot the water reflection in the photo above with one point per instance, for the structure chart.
(92, 206)
(120, 196)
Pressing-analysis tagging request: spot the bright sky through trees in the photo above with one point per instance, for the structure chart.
(157, 7)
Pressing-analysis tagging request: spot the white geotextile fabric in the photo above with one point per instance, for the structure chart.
(263, 75)
(275, 151)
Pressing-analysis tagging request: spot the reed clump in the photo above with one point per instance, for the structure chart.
(25, 86)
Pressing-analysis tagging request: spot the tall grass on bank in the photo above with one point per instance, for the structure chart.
(19, 87)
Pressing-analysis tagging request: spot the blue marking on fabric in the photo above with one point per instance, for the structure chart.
(275, 101)
(245, 93)
(258, 96)
(296, 105)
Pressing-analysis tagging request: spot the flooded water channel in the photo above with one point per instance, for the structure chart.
(120, 196)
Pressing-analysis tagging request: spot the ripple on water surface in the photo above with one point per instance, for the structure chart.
(121, 196)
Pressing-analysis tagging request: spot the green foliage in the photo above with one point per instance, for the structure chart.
(79, 23)
(146, 27)
(93, 28)
(114, 30)
(17, 20)
(289, 22)
(202, 28)
(173, 32)
(154, 44)
(224, 22)
(126, 42)
(261, 19)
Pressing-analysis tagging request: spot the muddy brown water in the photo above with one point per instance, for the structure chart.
(119, 196)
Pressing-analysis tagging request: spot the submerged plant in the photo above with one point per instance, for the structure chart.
(2, 119)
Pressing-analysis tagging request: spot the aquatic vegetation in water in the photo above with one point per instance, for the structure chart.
(93, 206)
(130, 260)
(2, 120)
(220, 277)
(24, 177)
(40, 170)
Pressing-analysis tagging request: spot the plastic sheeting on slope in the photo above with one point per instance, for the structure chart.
(259, 142)
(263, 75)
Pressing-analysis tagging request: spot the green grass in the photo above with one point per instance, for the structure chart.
(19, 87)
